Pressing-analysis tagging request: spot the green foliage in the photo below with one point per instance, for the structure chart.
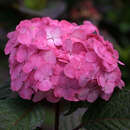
(35, 4)
(17, 114)
(124, 53)
(124, 27)
(111, 115)
(125, 57)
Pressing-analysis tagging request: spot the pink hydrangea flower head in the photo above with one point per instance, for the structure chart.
(57, 59)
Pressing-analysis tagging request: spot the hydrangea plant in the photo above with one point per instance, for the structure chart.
(57, 60)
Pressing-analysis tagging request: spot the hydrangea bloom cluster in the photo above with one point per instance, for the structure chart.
(57, 59)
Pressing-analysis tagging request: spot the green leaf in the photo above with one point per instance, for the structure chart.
(111, 115)
(124, 27)
(35, 4)
(18, 114)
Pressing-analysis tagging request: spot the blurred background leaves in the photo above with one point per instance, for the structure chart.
(35, 4)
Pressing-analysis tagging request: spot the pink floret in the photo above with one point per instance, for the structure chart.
(57, 59)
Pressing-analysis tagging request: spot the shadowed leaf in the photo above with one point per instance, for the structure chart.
(17, 114)
(111, 115)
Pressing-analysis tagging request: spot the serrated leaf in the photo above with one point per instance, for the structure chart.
(18, 114)
(111, 115)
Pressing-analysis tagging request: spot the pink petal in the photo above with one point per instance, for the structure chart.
(57, 41)
(68, 94)
(109, 88)
(109, 67)
(69, 71)
(52, 98)
(107, 81)
(67, 46)
(92, 96)
(83, 93)
(40, 40)
(103, 53)
(91, 56)
(45, 85)
(78, 48)
(121, 63)
(36, 60)
(26, 93)
(83, 80)
(24, 36)
(106, 96)
(16, 84)
(16, 71)
(27, 68)
(12, 56)
(78, 34)
(50, 57)
(21, 54)
(90, 28)
(43, 72)
(121, 84)
(38, 96)
(8, 47)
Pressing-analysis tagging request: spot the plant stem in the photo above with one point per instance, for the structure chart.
(57, 115)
